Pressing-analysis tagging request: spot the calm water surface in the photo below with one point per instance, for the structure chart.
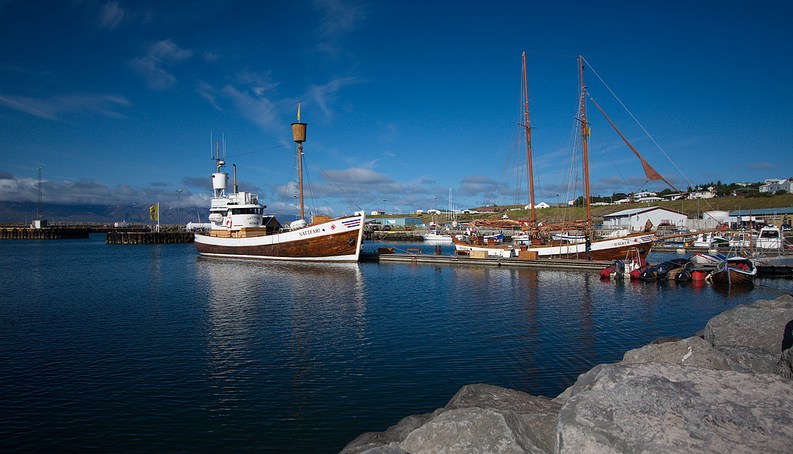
(149, 347)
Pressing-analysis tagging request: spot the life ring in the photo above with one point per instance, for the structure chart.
(228, 222)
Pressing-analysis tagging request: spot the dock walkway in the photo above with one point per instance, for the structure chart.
(559, 264)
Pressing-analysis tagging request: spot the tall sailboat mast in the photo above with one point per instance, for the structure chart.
(299, 136)
(529, 160)
(584, 141)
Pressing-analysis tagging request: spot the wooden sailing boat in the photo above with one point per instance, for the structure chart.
(536, 245)
(238, 228)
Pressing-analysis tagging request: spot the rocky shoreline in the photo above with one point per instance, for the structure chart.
(727, 389)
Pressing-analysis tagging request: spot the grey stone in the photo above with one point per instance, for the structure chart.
(470, 430)
(478, 419)
(755, 327)
(656, 407)
(756, 360)
(785, 365)
(538, 414)
(368, 441)
(693, 351)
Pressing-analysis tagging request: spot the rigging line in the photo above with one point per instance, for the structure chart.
(636, 120)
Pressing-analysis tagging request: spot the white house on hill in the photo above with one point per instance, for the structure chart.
(635, 219)
(773, 185)
(700, 193)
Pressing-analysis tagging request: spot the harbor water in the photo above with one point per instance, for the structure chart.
(120, 348)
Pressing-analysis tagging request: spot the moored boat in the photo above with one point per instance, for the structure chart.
(239, 229)
(769, 237)
(433, 237)
(700, 258)
(734, 271)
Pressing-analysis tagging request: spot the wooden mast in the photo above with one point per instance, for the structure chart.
(529, 160)
(584, 142)
(299, 136)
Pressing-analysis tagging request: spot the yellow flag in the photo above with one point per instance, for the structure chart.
(154, 215)
(298, 112)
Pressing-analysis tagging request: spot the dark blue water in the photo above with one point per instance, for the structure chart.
(149, 347)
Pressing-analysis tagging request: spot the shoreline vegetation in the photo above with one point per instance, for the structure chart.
(725, 389)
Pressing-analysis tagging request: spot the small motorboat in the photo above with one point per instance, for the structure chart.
(702, 259)
(623, 269)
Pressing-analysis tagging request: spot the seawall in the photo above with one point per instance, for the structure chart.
(727, 389)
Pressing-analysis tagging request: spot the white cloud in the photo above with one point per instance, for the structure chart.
(324, 94)
(337, 18)
(161, 55)
(259, 110)
(110, 15)
(61, 107)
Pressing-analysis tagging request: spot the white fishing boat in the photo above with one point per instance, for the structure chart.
(433, 237)
(239, 229)
(769, 237)
(710, 240)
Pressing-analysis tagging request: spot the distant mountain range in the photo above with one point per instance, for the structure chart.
(25, 212)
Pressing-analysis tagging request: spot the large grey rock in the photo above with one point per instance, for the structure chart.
(753, 337)
(478, 419)
(693, 351)
(759, 326)
(484, 418)
(537, 412)
(385, 442)
(656, 407)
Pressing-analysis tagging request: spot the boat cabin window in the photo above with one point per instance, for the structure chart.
(246, 211)
(770, 234)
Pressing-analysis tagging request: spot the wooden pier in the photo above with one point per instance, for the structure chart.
(44, 233)
(149, 237)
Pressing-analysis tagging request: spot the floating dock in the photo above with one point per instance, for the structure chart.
(558, 264)
(149, 237)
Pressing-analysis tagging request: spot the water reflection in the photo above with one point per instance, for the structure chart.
(269, 321)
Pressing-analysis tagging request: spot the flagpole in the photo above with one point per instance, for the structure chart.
(158, 217)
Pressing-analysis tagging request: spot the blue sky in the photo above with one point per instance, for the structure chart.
(116, 101)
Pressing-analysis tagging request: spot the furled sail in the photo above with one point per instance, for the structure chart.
(649, 171)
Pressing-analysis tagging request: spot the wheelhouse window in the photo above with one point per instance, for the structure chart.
(246, 210)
